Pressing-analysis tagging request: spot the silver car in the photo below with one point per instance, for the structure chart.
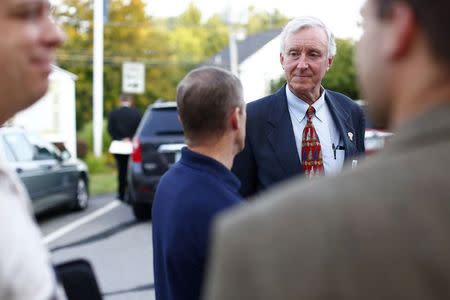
(51, 177)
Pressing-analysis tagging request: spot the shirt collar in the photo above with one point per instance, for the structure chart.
(125, 104)
(299, 106)
(207, 164)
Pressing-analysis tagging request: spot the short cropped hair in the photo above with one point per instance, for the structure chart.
(126, 97)
(298, 24)
(433, 18)
(205, 98)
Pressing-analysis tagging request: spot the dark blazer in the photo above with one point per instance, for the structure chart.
(270, 154)
(123, 122)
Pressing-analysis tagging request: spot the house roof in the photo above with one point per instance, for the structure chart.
(245, 48)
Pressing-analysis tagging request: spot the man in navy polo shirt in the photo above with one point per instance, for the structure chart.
(196, 188)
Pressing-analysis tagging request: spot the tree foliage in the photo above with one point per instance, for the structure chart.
(168, 47)
(342, 75)
(259, 21)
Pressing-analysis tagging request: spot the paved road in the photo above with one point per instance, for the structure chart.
(119, 248)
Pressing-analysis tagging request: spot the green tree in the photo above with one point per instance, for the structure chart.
(259, 21)
(217, 35)
(168, 47)
(276, 84)
(342, 75)
(195, 41)
(130, 35)
(75, 17)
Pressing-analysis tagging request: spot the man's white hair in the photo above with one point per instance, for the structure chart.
(300, 23)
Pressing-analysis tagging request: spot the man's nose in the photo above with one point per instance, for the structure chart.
(302, 62)
(53, 35)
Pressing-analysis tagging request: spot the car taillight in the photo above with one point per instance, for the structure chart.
(136, 155)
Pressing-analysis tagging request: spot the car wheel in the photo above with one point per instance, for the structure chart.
(142, 211)
(82, 197)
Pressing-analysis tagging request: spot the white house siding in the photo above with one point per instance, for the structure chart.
(53, 116)
(259, 69)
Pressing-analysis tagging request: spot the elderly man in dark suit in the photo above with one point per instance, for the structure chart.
(303, 128)
(378, 231)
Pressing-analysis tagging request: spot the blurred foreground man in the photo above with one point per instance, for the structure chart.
(190, 194)
(27, 44)
(380, 231)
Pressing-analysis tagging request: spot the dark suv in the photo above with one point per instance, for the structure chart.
(156, 146)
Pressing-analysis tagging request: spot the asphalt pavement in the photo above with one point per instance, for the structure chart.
(107, 235)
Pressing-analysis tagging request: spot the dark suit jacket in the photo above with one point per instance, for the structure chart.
(123, 122)
(270, 154)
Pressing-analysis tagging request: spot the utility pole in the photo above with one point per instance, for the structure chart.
(232, 41)
(233, 51)
(98, 77)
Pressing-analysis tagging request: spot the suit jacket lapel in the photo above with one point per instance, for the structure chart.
(281, 135)
(343, 123)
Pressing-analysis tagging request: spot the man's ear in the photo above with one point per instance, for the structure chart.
(234, 118)
(330, 62)
(400, 31)
(281, 59)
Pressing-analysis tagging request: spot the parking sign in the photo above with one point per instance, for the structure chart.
(133, 77)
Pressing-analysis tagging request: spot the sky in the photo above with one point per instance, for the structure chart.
(341, 16)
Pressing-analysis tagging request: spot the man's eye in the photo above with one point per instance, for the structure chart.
(31, 12)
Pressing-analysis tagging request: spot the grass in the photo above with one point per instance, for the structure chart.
(103, 183)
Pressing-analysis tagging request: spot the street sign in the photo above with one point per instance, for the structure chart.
(133, 78)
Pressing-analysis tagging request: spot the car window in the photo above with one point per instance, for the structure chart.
(43, 150)
(19, 146)
(163, 121)
(7, 151)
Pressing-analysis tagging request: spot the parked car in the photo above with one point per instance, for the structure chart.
(51, 177)
(375, 137)
(156, 146)
(375, 140)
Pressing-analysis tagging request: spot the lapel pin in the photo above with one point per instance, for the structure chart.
(350, 136)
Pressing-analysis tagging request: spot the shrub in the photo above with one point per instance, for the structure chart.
(86, 136)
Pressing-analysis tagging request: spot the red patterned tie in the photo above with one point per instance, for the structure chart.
(311, 150)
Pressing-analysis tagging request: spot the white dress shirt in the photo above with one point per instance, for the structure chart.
(25, 266)
(325, 128)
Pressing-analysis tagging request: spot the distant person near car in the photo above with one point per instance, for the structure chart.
(28, 41)
(122, 124)
(200, 185)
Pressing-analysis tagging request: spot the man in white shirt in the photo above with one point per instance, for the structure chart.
(29, 37)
